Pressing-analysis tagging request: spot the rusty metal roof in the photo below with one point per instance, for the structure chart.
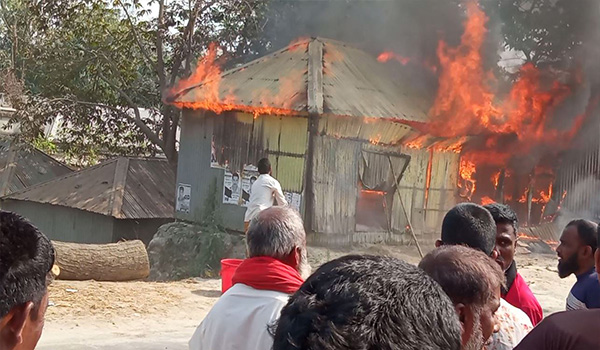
(124, 188)
(30, 166)
(317, 75)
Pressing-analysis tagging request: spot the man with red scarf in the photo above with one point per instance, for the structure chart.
(262, 284)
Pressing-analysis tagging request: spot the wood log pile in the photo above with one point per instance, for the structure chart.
(123, 261)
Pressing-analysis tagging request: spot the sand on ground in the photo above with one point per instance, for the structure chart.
(151, 315)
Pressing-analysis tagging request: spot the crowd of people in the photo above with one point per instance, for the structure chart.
(465, 294)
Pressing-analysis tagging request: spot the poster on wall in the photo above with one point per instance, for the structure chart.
(249, 176)
(184, 195)
(231, 188)
(294, 199)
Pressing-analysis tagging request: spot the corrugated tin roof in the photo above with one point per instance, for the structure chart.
(124, 188)
(344, 81)
(31, 166)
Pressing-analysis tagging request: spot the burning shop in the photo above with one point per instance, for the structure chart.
(334, 125)
(532, 144)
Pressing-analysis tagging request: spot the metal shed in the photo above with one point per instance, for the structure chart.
(334, 126)
(123, 198)
(22, 166)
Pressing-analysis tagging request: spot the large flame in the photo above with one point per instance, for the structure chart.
(206, 84)
(517, 123)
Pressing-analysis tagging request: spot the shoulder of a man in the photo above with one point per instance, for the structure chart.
(565, 331)
(271, 181)
(514, 326)
(592, 291)
(219, 318)
(527, 300)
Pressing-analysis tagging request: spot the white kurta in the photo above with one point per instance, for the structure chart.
(266, 191)
(240, 320)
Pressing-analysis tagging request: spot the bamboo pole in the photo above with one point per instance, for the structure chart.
(404, 208)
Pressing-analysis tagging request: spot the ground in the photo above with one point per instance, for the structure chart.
(88, 315)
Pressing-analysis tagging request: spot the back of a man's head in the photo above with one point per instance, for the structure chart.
(473, 281)
(275, 232)
(368, 302)
(26, 258)
(471, 225)
(467, 275)
(264, 166)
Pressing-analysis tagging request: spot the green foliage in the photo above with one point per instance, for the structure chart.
(549, 32)
(102, 66)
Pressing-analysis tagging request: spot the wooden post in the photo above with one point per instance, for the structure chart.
(403, 208)
(315, 109)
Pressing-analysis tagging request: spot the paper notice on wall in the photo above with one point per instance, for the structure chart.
(184, 196)
(294, 199)
(249, 176)
(231, 188)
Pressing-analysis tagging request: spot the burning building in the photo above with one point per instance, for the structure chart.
(365, 156)
(334, 125)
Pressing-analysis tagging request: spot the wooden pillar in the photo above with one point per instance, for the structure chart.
(315, 109)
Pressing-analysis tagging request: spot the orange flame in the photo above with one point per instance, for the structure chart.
(466, 182)
(487, 200)
(375, 140)
(386, 56)
(206, 80)
(496, 178)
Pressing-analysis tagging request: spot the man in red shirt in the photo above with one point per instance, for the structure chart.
(517, 292)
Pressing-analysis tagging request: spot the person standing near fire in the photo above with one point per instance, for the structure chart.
(576, 256)
(516, 292)
(264, 193)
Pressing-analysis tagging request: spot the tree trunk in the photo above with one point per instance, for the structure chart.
(124, 261)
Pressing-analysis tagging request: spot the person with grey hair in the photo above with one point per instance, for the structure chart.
(275, 268)
(472, 280)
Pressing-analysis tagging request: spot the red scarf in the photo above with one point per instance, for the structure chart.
(266, 273)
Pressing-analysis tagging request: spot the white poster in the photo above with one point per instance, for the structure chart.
(294, 199)
(248, 178)
(184, 194)
(231, 188)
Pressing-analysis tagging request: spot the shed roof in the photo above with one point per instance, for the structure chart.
(124, 188)
(22, 166)
(316, 75)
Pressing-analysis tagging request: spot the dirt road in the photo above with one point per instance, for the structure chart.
(151, 316)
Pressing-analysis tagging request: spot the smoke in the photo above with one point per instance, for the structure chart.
(581, 202)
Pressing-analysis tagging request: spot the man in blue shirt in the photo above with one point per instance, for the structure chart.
(574, 330)
(576, 256)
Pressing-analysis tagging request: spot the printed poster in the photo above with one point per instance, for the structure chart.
(184, 194)
(231, 188)
(294, 199)
(248, 178)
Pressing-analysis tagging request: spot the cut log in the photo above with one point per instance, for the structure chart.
(123, 261)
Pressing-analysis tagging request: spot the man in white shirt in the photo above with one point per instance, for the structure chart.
(262, 284)
(264, 193)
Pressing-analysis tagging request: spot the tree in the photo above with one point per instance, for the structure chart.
(101, 64)
(554, 33)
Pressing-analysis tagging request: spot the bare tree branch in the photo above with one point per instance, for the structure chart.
(137, 40)
(138, 118)
(187, 35)
(159, 45)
